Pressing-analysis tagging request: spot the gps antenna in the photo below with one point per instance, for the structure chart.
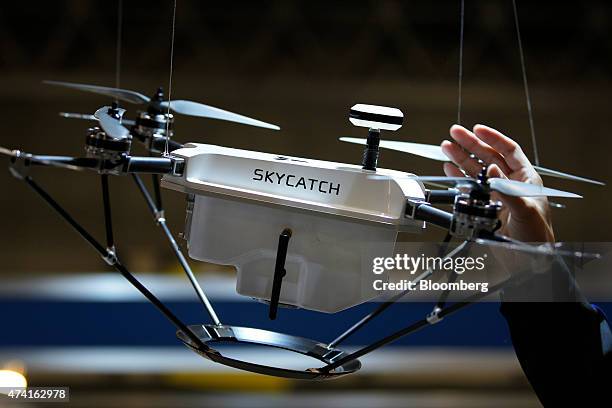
(375, 118)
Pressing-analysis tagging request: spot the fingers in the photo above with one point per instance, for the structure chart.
(461, 158)
(473, 144)
(508, 148)
(452, 171)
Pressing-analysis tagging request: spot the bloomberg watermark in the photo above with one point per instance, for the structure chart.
(427, 265)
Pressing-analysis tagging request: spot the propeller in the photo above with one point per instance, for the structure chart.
(207, 111)
(8, 152)
(72, 115)
(110, 121)
(543, 249)
(121, 94)
(435, 152)
(424, 150)
(554, 173)
(519, 189)
(86, 116)
(508, 187)
(179, 106)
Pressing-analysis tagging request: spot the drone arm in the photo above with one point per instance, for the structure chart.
(155, 165)
(73, 161)
(442, 196)
(123, 164)
(423, 211)
(66, 162)
(128, 164)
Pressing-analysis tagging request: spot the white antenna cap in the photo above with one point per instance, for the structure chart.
(376, 117)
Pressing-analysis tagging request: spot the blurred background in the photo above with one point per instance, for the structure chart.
(69, 320)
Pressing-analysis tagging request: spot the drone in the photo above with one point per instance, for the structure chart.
(291, 226)
(295, 229)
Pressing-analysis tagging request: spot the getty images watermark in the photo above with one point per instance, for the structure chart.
(418, 265)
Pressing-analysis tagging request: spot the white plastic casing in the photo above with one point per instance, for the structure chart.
(340, 216)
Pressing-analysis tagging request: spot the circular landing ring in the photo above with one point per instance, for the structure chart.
(210, 334)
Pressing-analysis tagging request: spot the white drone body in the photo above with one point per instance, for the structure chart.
(340, 215)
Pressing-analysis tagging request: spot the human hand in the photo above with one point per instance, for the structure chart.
(523, 218)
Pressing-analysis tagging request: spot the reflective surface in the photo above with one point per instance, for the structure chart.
(211, 334)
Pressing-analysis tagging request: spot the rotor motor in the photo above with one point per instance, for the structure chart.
(154, 128)
(472, 216)
(474, 212)
(98, 144)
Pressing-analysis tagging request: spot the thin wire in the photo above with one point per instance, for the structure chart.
(118, 48)
(170, 78)
(536, 157)
(461, 35)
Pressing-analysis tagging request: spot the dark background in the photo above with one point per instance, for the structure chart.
(300, 64)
